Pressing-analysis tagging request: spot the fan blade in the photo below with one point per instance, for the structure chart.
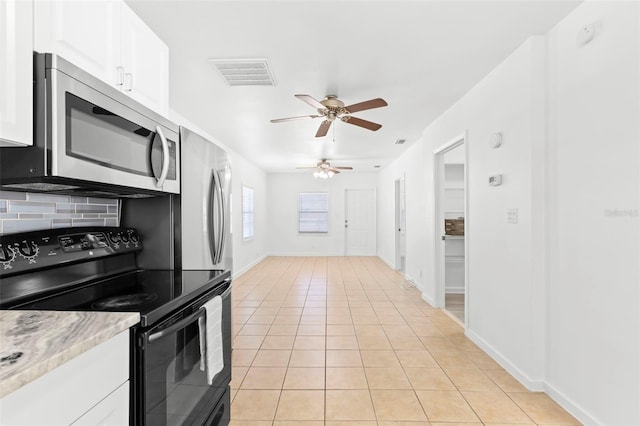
(323, 129)
(334, 170)
(311, 101)
(370, 104)
(302, 117)
(307, 167)
(343, 168)
(360, 122)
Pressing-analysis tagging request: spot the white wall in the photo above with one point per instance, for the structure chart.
(246, 253)
(283, 189)
(594, 332)
(554, 298)
(503, 291)
(410, 165)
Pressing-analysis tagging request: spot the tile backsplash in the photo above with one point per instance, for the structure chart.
(29, 211)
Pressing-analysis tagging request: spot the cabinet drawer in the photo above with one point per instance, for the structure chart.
(64, 394)
(113, 410)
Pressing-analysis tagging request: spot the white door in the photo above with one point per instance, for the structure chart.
(360, 222)
(400, 225)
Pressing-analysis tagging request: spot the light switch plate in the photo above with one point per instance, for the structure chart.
(512, 215)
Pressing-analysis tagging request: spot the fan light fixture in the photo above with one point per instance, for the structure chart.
(323, 174)
(324, 170)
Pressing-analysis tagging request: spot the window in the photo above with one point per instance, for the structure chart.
(247, 212)
(313, 212)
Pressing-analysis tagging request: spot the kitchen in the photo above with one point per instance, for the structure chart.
(559, 375)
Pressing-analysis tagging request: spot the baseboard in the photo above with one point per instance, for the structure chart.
(524, 379)
(535, 385)
(574, 409)
(454, 290)
(298, 254)
(427, 299)
(387, 262)
(236, 274)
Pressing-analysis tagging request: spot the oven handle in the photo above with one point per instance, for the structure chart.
(184, 322)
(177, 326)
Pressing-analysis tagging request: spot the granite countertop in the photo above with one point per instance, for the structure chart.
(33, 343)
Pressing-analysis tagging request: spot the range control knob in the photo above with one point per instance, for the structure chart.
(133, 236)
(113, 238)
(29, 250)
(6, 254)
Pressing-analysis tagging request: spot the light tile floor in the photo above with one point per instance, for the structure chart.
(343, 341)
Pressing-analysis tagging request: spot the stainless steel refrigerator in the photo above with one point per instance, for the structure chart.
(205, 204)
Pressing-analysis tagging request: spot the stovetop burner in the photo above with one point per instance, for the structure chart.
(124, 301)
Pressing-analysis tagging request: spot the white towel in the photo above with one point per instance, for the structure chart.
(210, 325)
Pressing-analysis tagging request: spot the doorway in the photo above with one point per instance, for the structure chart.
(450, 180)
(360, 222)
(400, 224)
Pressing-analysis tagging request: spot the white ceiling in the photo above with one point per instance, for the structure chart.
(420, 56)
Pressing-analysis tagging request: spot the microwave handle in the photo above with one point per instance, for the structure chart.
(165, 158)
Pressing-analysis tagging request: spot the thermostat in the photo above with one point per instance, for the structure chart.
(495, 180)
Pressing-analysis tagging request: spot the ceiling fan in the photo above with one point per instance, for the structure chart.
(331, 108)
(324, 170)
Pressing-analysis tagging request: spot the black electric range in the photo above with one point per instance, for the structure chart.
(94, 269)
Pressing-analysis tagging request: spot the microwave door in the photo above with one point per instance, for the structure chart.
(95, 138)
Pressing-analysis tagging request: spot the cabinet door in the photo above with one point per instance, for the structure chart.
(145, 59)
(86, 33)
(16, 72)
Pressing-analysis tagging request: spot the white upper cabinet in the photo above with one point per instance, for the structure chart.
(145, 60)
(16, 73)
(86, 33)
(108, 40)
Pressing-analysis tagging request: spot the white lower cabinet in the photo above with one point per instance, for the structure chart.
(113, 410)
(91, 389)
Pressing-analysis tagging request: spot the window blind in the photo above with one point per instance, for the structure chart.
(313, 212)
(247, 212)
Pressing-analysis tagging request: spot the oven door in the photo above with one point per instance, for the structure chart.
(172, 387)
(94, 137)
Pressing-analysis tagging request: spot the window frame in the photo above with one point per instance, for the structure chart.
(302, 213)
(245, 191)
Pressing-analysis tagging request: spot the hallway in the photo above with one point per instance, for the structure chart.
(346, 341)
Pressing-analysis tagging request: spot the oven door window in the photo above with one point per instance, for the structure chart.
(101, 137)
(176, 388)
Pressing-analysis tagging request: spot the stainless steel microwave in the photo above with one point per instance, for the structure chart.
(92, 139)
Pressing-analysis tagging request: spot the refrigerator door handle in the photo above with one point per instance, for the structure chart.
(212, 212)
(223, 220)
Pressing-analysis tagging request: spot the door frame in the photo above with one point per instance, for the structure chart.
(400, 185)
(438, 190)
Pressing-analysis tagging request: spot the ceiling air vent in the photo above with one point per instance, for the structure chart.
(400, 141)
(244, 72)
